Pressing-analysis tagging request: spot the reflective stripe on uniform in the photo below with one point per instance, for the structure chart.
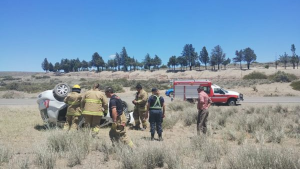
(73, 103)
(73, 113)
(156, 104)
(93, 113)
(93, 101)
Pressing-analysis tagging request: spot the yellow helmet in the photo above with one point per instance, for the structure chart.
(76, 87)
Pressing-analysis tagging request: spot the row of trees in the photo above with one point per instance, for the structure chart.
(217, 57)
(285, 58)
(122, 61)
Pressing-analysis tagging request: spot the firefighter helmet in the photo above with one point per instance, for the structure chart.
(76, 87)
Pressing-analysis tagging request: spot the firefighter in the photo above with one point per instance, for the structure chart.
(118, 130)
(156, 110)
(73, 112)
(94, 107)
(139, 111)
(204, 103)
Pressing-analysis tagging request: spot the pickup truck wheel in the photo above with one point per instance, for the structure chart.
(231, 102)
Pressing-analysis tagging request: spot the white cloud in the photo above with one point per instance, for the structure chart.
(112, 56)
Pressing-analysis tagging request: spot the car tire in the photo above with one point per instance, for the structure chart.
(61, 90)
(231, 102)
(171, 94)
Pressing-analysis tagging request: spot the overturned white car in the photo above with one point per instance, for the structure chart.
(53, 109)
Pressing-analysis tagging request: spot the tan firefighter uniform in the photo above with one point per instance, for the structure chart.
(118, 131)
(73, 101)
(94, 105)
(140, 108)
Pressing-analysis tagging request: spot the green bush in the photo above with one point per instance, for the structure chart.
(296, 85)
(255, 75)
(267, 66)
(281, 76)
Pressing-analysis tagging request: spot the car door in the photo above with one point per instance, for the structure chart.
(219, 96)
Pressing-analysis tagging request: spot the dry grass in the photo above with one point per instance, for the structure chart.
(238, 137)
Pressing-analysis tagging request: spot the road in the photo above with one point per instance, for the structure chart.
(249, 100)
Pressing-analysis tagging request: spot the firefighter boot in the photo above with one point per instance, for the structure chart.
(152, 137)
(160, 137)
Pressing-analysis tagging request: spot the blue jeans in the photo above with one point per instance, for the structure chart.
(155, 121)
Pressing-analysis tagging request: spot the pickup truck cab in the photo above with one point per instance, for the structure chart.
(187, 90)
(221, 95)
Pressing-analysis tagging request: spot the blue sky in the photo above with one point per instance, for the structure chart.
(31, 30)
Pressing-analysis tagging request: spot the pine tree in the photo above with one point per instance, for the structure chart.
(203, 57)
(45, 65)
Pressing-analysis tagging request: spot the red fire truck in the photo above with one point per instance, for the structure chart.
(187, 90)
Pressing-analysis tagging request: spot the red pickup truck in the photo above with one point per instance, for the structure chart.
(187, 90)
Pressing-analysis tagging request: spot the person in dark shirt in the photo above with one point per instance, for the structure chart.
(156, 112)
(118, 130)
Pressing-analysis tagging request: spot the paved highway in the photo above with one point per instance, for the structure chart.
(249, 100)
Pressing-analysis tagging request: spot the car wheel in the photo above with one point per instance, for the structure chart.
(231, 102)
(171, 94)
(61, 90)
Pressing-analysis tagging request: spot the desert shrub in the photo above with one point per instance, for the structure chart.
(82, 79)
(209, 150)
(41, 77)
(296, 85)
(255, 75)
(230, 135)
(118, 87)
(190, 116)
(267, 66)
(104, 147)
(23, 163)
(281, 76)
(12, 95)
(127, 158)
(148, 156)
(118, 84)
(46, 158)
(8, 78)
(232, 83)
(170, 120)
(154, 157)
(5, 154)
(29, 87)
(178, 105)
(58, 141)
(262, 157)
(149, 84)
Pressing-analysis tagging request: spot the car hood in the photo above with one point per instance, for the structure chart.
(232, 92)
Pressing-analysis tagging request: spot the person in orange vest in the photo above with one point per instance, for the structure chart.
(73, 101)
(140, 107)
(94, 105)
(118, 128)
